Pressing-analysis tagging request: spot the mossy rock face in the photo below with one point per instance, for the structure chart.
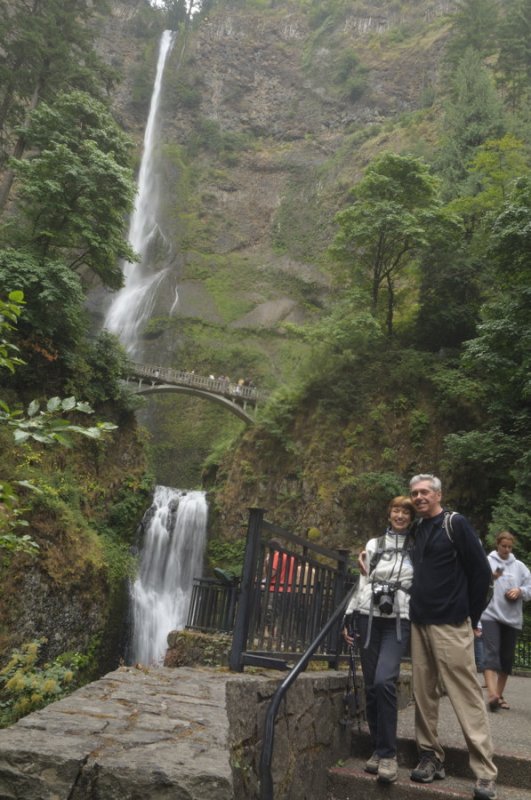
(190, 649)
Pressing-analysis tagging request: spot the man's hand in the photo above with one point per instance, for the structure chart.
(362, 562)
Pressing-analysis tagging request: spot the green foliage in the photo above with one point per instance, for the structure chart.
(208, 135)
(511, 512)
(492, 171)
(351, 75)
(46, 425)
(53, 300)
(76, 189)
(279, 415)
(449, 289)
(42, 425)
(10, 311)
(46, 47)
(496, 449)
(419, 426)
(474, 25)
(514, 61)
(26, 685)
(226, 554)
(99, 370)
(395, 207)
(370, 493)
(126, 512)
(473, 114)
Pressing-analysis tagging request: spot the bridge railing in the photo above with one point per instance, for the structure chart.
(222, 386)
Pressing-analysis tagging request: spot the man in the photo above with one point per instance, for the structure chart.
(448, 594)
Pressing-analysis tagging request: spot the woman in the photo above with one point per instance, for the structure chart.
(380, 608)
(503, 617)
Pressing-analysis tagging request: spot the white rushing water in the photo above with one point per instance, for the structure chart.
(171, 557)
(132, 305)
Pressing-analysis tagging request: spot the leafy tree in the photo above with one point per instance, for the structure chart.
(514, 61)
(499, 359)
(54, 302)
(472, 116)
(46, 425)
(474, 25)
(449, 290)
(77, 188)
(387, 226)
(46, 48)
(495, 166)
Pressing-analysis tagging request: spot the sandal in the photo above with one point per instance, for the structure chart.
(494, 704)
(502, 703)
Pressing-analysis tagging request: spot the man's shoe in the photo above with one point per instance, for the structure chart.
(485, 789)
(428, 768)
(387, 770)
(372, 764)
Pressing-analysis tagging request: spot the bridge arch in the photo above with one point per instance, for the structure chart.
(230, 405)
(235, 397)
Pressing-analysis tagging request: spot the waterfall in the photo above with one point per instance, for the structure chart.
(132, 305)
(171, 556)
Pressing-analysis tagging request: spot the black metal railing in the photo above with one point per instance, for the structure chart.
(522, 655)
(212, 605)
(288, 589)
(266, 778)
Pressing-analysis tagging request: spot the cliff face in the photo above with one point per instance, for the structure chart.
(260, 110)
(268, 118)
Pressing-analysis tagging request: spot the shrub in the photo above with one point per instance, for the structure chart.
(25, 686)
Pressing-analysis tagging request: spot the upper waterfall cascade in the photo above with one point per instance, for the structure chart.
(132, 305)
(171, 557)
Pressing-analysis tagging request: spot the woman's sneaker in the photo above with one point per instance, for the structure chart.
(387, 770)
(428, 768)
(372, 764)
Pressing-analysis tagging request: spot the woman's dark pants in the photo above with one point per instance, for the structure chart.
(380, 664)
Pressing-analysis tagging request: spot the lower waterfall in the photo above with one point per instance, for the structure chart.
(171, 557)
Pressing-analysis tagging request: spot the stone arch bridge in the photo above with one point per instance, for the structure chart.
(239, 399)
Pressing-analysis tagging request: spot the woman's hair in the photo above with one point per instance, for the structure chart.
(402, 501)
(504, 535)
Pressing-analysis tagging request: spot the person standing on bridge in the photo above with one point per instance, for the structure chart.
(380, 612)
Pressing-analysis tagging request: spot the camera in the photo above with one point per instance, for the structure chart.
(384, 596)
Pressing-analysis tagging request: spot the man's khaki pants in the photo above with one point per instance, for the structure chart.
(446, 652)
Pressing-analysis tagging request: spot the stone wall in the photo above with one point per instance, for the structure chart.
(309, 736)
(159, 733)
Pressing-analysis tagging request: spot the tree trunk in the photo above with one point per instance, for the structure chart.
(18, 152)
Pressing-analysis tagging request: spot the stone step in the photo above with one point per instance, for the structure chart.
(349, 781)
(513, 769)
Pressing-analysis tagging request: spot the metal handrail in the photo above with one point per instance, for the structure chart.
(266, 779)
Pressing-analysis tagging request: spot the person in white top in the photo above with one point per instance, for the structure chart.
(503, 617)
(379, 613)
